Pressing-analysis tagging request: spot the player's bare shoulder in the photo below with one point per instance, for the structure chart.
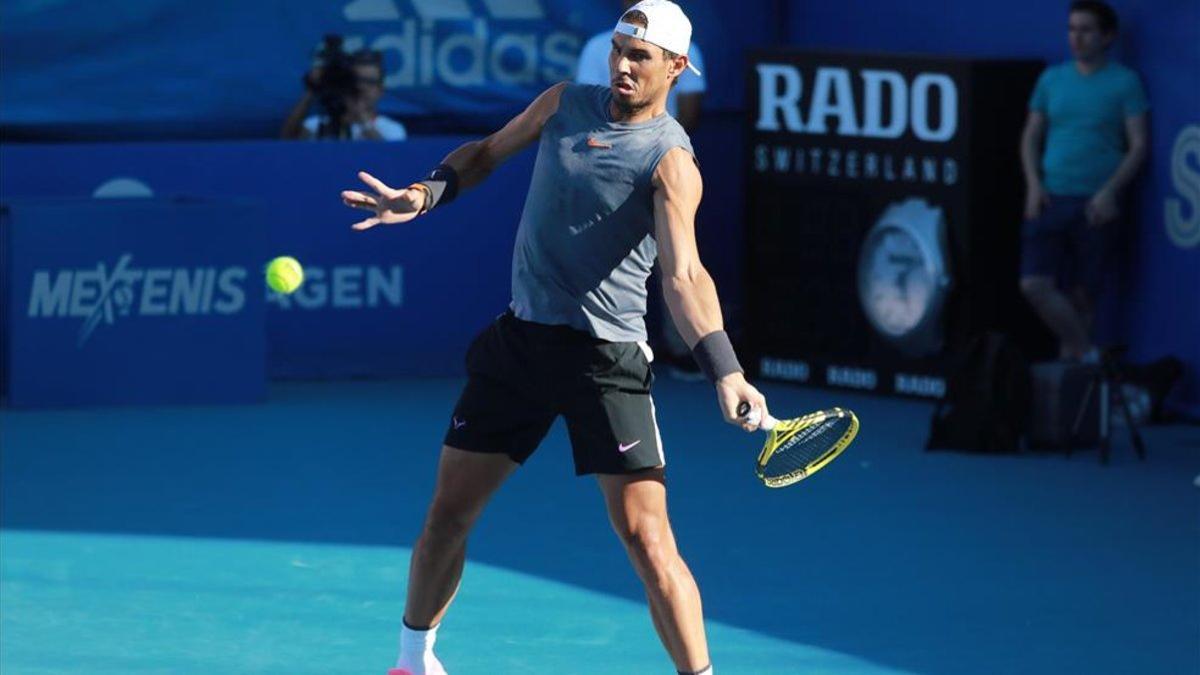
(525, 128)
(546, 104)
(678, 172)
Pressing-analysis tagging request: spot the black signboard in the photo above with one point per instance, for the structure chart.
(883, 215)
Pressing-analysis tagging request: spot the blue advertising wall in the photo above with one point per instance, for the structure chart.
(388, 301)
(1152, 303)
(132, 301)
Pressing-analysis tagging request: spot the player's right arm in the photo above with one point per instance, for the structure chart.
(689, 291)
(472, 162)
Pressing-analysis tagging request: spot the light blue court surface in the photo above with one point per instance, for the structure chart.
(275, 539)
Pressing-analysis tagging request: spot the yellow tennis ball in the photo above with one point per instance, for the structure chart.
(284, 274)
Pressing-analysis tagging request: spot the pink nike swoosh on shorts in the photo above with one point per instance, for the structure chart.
(626, 448)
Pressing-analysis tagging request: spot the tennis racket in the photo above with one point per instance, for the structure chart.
(799, 447)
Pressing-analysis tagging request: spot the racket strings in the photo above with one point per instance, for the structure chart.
(799, 450)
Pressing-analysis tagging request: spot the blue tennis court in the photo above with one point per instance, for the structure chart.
(275, 538)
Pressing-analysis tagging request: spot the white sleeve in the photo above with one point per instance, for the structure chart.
(689, 82)
(390, 129)
(593, 60)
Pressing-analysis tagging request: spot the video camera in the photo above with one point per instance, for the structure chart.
(337, 83)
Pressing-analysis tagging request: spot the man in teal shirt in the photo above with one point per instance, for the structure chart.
(1090, 112)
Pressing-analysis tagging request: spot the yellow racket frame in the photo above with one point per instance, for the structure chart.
(784, 430)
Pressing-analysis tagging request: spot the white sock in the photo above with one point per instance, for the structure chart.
(416, 652)
(706, 671)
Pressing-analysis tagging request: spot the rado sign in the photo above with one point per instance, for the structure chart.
(857, 102)
(883, 213)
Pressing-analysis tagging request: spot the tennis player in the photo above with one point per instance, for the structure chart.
(615, 185)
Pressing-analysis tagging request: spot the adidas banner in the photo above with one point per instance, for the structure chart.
(225, 69)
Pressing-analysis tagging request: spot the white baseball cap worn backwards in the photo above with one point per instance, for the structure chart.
(666, 26)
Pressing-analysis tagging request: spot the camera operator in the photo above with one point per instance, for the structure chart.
(347, 89)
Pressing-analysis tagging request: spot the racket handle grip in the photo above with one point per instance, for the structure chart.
(754, 416)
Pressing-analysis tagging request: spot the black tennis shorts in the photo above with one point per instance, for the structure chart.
(523, 375)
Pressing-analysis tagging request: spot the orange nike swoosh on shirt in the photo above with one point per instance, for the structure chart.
(593, 143)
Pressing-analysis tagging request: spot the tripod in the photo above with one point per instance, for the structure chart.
(1106, 383)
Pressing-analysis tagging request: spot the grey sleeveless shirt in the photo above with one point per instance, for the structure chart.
(586, 244)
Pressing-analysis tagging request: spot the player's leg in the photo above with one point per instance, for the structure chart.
(637, 508)
(465, 483)
(496, 425)
(656, 619)
(614, 434)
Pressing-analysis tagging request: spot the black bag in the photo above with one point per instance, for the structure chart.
(986, 408)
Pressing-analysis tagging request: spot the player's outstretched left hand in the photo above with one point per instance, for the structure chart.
(732, 390)
(388, 204)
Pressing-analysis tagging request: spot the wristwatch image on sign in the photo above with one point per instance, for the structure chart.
(904, 276)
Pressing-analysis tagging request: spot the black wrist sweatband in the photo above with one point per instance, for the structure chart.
(714, 354)
(442, 184)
